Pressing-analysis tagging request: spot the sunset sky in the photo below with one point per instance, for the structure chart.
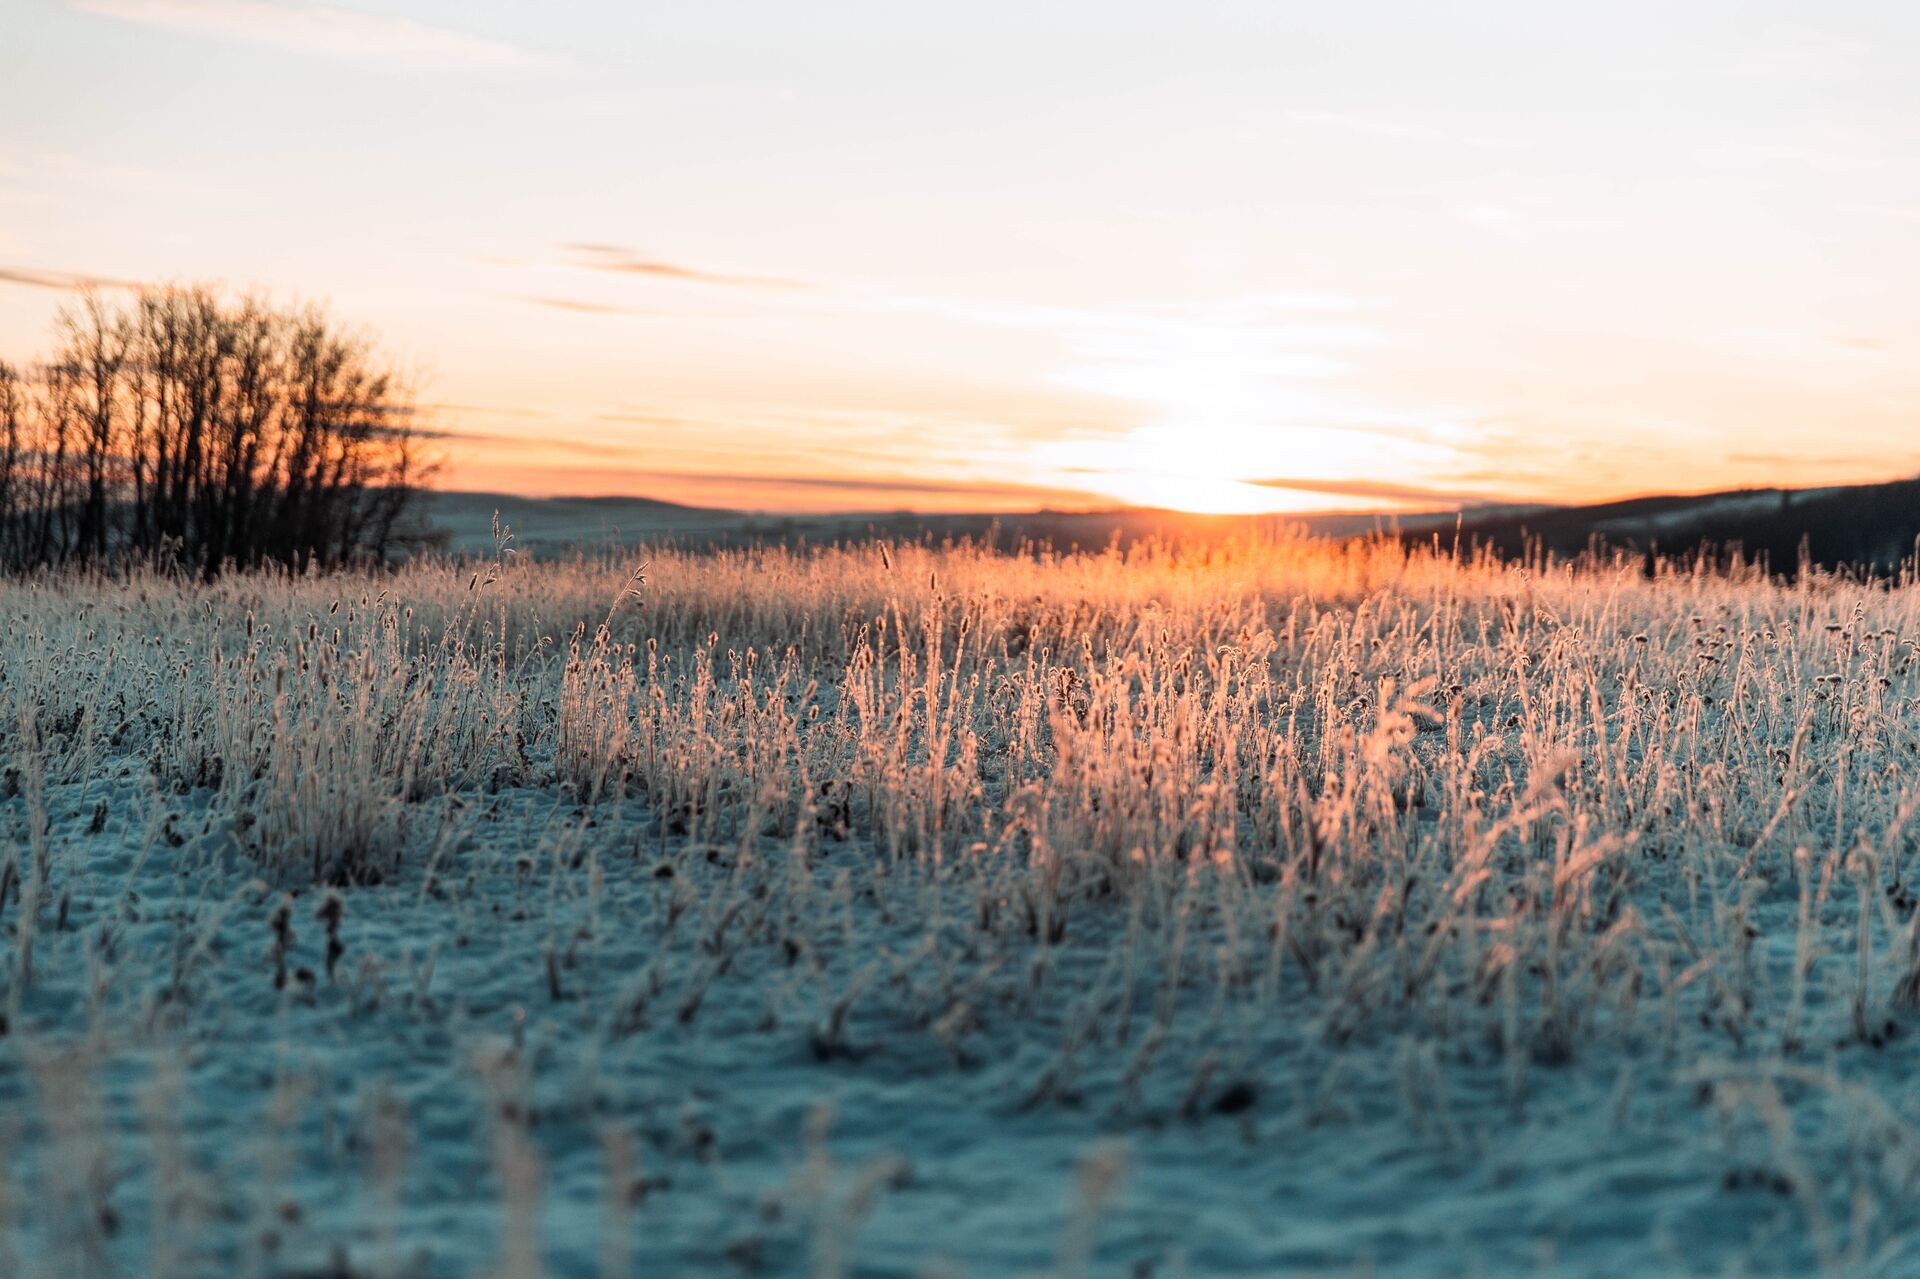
(1228, 256)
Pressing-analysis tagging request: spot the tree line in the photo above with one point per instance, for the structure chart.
(182, 425)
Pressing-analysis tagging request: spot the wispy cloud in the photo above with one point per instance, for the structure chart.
(851, 488)
(1401, 130)
(580, 307)
(1370, 489)
(1864, 462)
(487, 410)
(624, 261)
(1891, 212)
(860, 484)
(1789, 52)
(70, 281)
(319, 29)
(637, 418)
(1825, 150)
(526, 443)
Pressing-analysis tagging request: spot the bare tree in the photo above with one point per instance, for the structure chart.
(221, 432)
(13, 415)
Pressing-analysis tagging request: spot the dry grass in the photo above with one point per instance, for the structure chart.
(1127, 808)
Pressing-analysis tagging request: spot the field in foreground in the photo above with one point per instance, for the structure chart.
(1257, 908)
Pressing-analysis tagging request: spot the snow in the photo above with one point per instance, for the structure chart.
(609, 1011)
(1614, 1165)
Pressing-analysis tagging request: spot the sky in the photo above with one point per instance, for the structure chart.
(1002, 255)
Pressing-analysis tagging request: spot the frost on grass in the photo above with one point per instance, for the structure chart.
(1271, 907)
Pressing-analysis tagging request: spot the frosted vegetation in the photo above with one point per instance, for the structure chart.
(1260, 908)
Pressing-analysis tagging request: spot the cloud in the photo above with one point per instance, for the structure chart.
(488, 410)
(650, 419)
(580, 307)
(540, 443)
(319, 29)
(1401, 131)
(1368, 489)
(71, 281)
(861, 484)
(1788, 52)
(1830, 461)
(1891, 212)
(1824, 150)
(624, 261)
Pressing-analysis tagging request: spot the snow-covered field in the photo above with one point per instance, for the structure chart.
(1268, 908)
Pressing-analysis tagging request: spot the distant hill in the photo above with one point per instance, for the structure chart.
(1870, 526)
(463, 522)
(1867, 526)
